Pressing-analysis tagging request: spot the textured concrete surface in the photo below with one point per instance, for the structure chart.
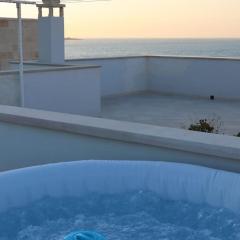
(9, 40)
(173, 111)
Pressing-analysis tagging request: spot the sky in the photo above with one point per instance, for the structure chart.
(146, 18)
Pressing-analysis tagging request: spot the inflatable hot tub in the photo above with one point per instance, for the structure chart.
(120, 200)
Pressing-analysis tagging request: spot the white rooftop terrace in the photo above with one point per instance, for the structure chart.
(182, 88)
(122, 88)
(172, 110)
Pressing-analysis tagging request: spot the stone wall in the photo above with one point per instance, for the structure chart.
(9, 40)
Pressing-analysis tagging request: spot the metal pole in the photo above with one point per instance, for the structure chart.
(20, 47)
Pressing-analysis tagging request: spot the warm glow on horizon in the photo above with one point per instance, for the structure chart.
(147, 18)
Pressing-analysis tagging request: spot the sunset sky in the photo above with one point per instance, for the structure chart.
(147, 18)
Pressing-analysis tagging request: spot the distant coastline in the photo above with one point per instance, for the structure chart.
(70, 38)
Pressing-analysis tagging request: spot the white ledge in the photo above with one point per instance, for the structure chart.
(178, 139)
(51, 69)
(156, 56)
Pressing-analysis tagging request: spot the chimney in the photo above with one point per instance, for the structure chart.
(51, 33)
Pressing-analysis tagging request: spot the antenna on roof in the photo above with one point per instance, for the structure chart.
(68, 1)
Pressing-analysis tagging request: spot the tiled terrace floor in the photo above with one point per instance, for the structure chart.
(172, 111)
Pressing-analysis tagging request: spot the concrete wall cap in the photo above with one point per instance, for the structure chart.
(51, 69)
(158, 56)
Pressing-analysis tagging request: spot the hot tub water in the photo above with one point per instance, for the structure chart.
(135, 215)
(121, 201)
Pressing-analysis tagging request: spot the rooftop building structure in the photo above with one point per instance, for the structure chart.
(9, 40)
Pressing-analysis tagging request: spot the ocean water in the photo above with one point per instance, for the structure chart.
(135, 215)
(87, 48)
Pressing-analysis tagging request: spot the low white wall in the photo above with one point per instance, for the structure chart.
(9, 88)
(34, 137)
(121, 75)
(14, 65)
(195, 76)
(68, 89)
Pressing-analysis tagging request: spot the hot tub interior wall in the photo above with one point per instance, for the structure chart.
(170, 181)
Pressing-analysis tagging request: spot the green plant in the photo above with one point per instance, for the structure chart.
(202, 126)
(211, 125)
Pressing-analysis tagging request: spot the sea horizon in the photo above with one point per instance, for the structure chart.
(111, 47)
(163, 38)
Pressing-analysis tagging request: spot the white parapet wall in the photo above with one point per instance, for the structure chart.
(195, 76)
(34, 137)
(192, 76)
(119, 75)
(69, 89)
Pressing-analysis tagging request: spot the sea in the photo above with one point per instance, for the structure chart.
(88, 48)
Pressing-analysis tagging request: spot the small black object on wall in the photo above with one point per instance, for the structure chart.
(212, 97)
